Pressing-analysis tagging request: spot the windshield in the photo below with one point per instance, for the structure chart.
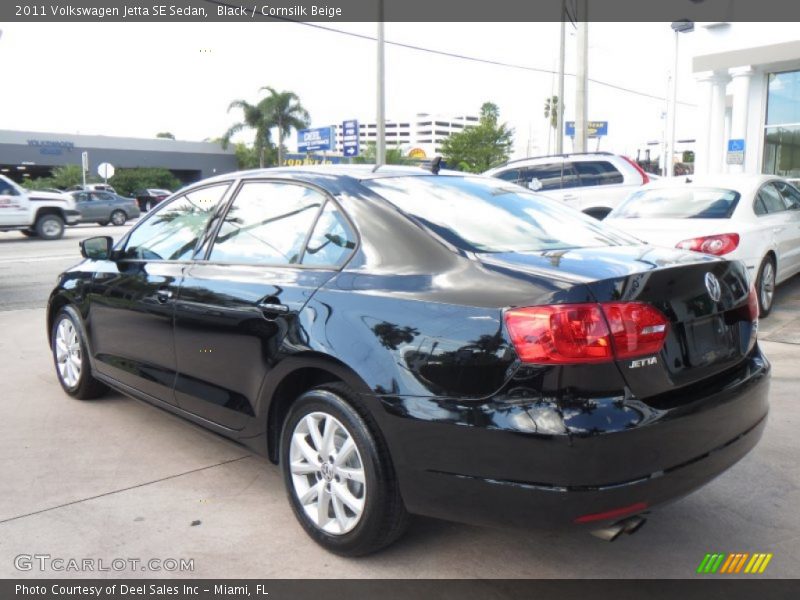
(678, 203)
(480, 214)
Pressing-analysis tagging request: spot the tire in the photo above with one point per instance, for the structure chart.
(71, 358)
(102, 223)
(765, 286)
(598, 213)
(118, 217)
(344, 530)
(29, 232)
(50, 227)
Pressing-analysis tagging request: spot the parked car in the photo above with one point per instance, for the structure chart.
(105, 207)
(402, 342)
(93, 187)
(752, 218)
(150, 197)
(35, 213)
(594, 182)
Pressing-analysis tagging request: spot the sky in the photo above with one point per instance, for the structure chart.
(136, 79)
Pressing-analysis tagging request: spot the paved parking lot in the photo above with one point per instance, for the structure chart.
(116, 478)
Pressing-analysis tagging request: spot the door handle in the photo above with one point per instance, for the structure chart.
(163, 295)
(273, 307)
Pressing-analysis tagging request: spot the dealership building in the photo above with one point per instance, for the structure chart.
(28, 154)
(749, 105)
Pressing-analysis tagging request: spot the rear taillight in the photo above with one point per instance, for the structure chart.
(640, 170)
(752, 304)
(712, 244)
(585, 333)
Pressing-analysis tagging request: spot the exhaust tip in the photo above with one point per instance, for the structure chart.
(629, 526)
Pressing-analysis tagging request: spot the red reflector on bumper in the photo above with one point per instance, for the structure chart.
(613, 514)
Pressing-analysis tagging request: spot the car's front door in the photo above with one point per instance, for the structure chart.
(238, 310)
(780, 228)
(791, 217)
(132, 298)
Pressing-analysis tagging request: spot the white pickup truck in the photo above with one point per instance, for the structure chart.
(41, 214)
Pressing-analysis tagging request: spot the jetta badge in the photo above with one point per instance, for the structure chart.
(712, 285)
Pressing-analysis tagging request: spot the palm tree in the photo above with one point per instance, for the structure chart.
(255, 116)
(551, 111)
(284, 112)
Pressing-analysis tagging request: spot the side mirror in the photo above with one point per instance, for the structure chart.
(534, 184)
(97, 248)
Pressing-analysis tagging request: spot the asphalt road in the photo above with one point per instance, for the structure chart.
(29, 266)
(117, 478)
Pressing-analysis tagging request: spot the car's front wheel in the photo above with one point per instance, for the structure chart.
(338, 474)
(765, 286)
(71, 357)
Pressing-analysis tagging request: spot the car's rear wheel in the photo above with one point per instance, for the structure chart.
(765, 286)
(338, 474)
(118, 217)
(71, 357)
(49, 227)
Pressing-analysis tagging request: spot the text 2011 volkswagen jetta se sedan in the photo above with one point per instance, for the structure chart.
(405, 342)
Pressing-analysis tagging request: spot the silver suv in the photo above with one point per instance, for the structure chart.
(594, 182)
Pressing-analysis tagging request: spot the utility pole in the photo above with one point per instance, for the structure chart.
(380, 138)
(582, 77)
(679, 27)
(561, 103)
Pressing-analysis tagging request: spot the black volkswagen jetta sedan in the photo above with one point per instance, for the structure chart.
(402, 342)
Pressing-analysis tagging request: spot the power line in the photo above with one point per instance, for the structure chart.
(476, 59)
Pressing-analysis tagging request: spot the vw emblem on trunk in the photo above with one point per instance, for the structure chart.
(712, 285)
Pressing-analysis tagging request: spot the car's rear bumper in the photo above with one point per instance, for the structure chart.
(470, 473)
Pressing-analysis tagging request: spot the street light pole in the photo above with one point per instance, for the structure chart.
(561, 103)
(679, 27)
(582, 78)
(380, 138)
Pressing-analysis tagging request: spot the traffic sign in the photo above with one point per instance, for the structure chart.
(735, 155)
(105, 170)
(350, 137)
(314, 140)
(596, 128)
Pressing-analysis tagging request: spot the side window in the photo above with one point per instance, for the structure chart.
(772, 200)
(6, 189)
(82, 197)
(597, 172)
(267, 224)
(549, 175)
(511, 175)
(570, 178)
(790, 194)
(332, 240)
(172, 230)
(758, 206)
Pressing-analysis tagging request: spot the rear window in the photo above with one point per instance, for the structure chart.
(678, 203)
(488, 215)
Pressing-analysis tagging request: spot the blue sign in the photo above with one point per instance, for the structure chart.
(735, 145)
(314, 140)
(300, 160)
(350, 137)
(596, 128)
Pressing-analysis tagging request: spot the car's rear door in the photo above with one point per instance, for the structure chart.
(237, 311)
(791, 219)
(132, 298)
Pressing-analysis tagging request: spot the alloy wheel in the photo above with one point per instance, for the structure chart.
(767, 290)
(327, 473)
(68, 353)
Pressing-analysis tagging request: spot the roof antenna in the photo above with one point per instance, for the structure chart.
(436, 165)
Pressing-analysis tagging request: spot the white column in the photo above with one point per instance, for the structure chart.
(704, 84)
(741, 98)
(716, 128)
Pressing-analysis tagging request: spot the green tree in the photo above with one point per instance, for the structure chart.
(60, 177)
(127, 181)
(476, 149)
(284, 113)
(394, 156)
(254, 116)
(165, 135)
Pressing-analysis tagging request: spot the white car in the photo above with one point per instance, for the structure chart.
(752, 218)
(592, 182)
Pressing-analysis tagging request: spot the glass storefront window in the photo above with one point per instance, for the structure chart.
(782, 133)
